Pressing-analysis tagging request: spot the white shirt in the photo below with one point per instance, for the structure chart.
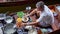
(46, 17)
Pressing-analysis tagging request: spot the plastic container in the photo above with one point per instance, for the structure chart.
(20, 14)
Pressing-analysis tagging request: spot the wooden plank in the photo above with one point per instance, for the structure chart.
(7, 4)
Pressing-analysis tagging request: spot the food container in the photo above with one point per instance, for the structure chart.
(20, 14)
(26, 19)
(18, 22)
(2, 16)
(8, 29)
(8, 19)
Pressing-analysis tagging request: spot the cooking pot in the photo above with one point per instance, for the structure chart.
(2, 16)
(9, 29)
(8, 19)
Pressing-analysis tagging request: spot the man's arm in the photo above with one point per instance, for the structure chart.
(36, 22)
(33, 12)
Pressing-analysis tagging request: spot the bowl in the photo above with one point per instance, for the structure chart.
(25, 19)
(8, 19)
(2, 16)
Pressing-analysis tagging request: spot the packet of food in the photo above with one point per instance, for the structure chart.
(18, 22)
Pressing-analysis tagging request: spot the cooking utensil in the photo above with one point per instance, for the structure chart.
(8, 19)
(8, 29)
(25, 19)
(2, 16)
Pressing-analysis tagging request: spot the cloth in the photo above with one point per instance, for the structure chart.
(46, 17)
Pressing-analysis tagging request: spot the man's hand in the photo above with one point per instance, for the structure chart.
(23, 24)
(27, 15)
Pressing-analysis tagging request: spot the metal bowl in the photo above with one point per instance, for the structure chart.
(8, 19)
(8, 29)
(25, 19)
(2, 16)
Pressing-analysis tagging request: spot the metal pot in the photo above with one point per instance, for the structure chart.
(2, 16)
(8, 19)
(8, 29)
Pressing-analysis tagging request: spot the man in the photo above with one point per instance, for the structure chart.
(46, 17)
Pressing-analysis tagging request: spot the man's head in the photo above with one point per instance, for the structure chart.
(40, 5)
